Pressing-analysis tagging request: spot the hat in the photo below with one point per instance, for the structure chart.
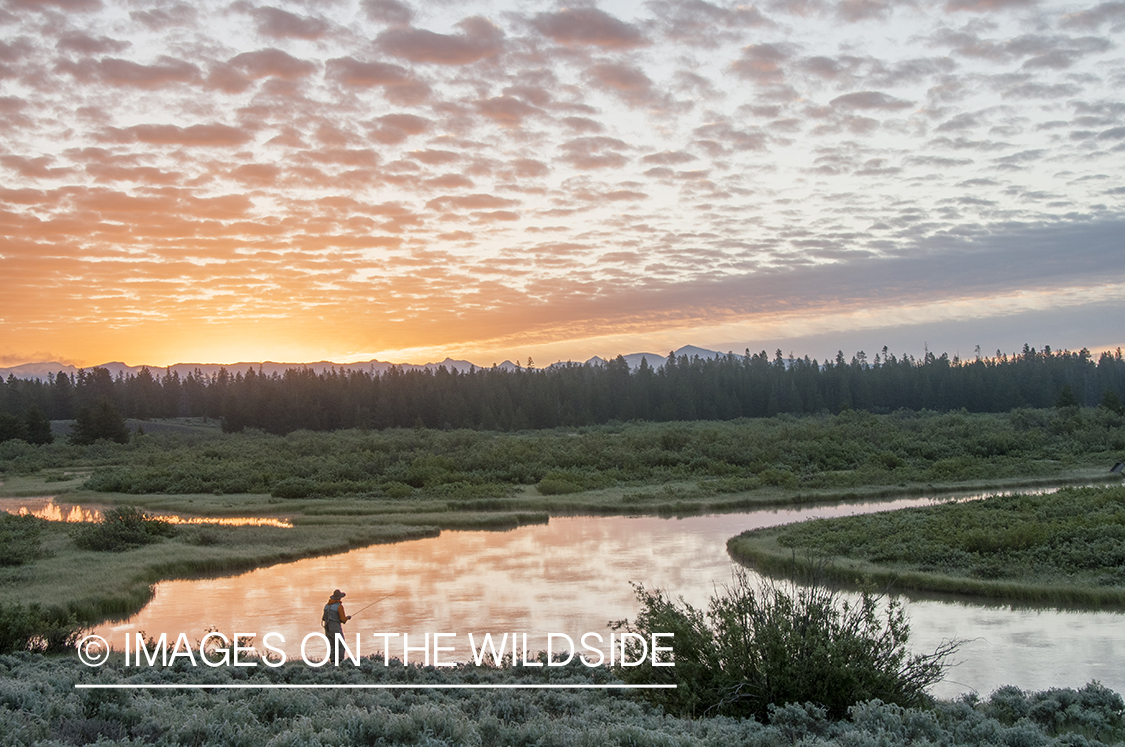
(337, 594)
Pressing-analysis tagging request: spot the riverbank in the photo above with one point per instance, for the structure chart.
(1062, 548)
(40, 703)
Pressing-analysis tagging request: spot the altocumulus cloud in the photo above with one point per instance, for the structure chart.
(479, 173)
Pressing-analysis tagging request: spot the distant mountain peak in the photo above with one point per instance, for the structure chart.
(269, 368)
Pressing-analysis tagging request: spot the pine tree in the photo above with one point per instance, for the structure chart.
(1066, 398)
(11, 427)
(38, 427)
(100, 421)
(1111, 401)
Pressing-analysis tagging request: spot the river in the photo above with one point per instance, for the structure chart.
(573, 576)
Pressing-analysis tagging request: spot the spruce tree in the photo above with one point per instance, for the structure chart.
(38, 427)
(100, 421)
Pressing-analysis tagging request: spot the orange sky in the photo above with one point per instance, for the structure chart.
(371, 179)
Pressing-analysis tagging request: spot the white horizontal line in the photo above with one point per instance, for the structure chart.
(251, 686)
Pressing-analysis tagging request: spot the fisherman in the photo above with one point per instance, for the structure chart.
(334, 617)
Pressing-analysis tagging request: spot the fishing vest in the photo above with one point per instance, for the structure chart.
(331, 613)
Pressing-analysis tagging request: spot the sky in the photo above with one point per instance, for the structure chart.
(355, 179)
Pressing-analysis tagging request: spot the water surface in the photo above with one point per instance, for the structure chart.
(573, 576)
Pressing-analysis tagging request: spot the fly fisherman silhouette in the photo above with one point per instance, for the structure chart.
(334, 616)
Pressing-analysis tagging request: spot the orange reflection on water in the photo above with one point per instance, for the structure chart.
(227, 521)
(47, 508)
(57, 512)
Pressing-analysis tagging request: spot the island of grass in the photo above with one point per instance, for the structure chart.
(1061, 548)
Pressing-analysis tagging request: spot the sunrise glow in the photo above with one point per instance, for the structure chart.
(220, 182)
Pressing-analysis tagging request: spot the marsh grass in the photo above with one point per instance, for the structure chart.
(1063, 548)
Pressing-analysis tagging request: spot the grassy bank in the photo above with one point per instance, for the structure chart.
(1065, 548)
(39, 705)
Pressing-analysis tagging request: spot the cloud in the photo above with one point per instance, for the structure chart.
(853, 11)
(761, 63)
(470, 202)
(1111, 12)
(869, 100)
(33, 168)
(529, 168)
(721, 137)
(390, 12)
(76, 6)
(986, 6)
(669, 158)
(88, 45)
(681, 153)
(281, 24)
(588, 26)
(583, 124)
(266, 63)
(701, 23)
(200, 135)
(118, 72)
(398, 83)
(169, 15)
(479, 39)
(587, 153)
(628, 82)
(507, 111)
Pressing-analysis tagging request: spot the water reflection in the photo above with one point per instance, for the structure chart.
(572, 576)
(49, 509)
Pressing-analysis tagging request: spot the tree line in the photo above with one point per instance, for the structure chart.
(722, 388)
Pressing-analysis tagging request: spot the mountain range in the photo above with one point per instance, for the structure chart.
(268, 368)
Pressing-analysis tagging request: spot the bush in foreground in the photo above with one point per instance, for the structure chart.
(755, 648)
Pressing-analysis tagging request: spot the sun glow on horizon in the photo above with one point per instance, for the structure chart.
(487, 182)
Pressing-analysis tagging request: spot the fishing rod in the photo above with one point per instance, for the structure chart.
(380, 599)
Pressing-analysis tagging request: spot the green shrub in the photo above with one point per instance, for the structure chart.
(777, 645)
(32, 628)
(294, 487)
(557, 486)
(120, 529)
(19, 539)
(397, 490)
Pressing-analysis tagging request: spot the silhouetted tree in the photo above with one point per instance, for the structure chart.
(38, 427)
(12, 427)
(1066, 398)
(1111, 401)
(102, 420)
